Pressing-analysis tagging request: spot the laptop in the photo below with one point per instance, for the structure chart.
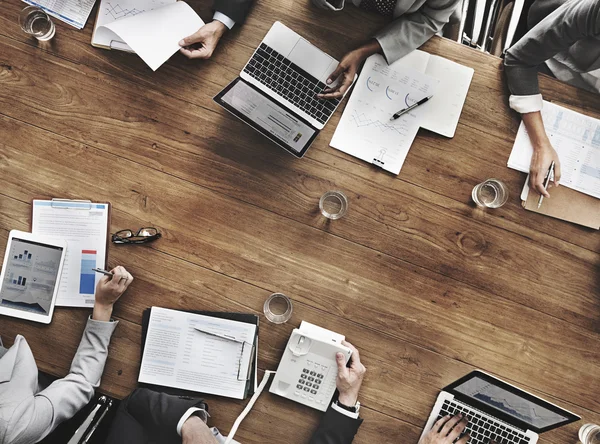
(498, 410)
(275, 92)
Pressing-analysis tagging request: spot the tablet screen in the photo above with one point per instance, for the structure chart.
(30, 276)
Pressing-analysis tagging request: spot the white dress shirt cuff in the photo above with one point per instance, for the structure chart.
(337, 408)
(526, 104)
(223, 19)
(189, 412)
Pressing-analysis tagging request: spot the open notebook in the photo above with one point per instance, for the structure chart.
(183, 351)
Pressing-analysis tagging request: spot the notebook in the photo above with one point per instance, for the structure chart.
(180, 359)
(85, 226)
(150, 28)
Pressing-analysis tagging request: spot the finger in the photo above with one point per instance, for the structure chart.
(335, 74)
(333, 95)
(457, 430)
(341, 363)
(450, 424)
(556, 173)
(347, 83)
(200, 53)
(464, 439)
(191, 39)
(538, 185)
(355, 354)
(440, 423)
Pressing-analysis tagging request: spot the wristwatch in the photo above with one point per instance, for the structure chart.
(353, 409)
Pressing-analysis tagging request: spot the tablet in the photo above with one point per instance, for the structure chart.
(30, 276)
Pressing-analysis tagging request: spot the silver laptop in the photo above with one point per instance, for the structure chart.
(498, 410)
(275, 93)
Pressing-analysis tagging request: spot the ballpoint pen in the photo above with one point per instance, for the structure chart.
(226, 337)
(548, 176)
(100, 270)
(410, 108)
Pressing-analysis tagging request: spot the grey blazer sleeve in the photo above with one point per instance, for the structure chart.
(409, 31)
(236, 10)
(65, 397)
(572, 21)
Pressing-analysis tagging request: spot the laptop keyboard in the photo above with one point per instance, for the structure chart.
(483, 428)
(291, 82)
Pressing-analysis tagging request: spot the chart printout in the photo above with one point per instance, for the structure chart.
(576, 139)
(83, 226)
(365, 130)
(73, 12)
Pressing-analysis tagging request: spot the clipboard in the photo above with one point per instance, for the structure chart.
(565, 204)
(77, 282)
(251, 385)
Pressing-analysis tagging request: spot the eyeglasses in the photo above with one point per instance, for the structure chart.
(143, 236)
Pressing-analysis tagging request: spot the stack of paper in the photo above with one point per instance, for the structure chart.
(576, 139)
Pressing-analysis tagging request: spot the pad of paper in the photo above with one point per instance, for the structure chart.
(154, 35)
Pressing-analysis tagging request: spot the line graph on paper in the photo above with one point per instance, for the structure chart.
(116, 11)
(128, 8)
(362, 120)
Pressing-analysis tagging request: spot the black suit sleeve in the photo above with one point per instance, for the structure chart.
(236, 10)
(148, 414)
(336, 428)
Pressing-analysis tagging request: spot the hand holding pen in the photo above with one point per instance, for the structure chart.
(549, 176)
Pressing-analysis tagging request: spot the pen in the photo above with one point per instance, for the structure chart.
(411, 107)
(228, 338)
(100, 270)
(550, 174)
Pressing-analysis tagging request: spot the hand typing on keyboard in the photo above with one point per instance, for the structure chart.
(446, 430)
(347, 69)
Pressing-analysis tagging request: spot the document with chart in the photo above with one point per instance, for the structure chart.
(198, 353)
(365, 129)
(576, 139)
(84, 225)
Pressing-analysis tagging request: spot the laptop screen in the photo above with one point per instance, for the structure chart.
(266, 116)
(522, 407)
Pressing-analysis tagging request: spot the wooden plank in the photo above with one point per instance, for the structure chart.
(388, 215)
(322, 270)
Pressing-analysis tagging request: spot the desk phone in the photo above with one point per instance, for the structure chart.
(308, 369)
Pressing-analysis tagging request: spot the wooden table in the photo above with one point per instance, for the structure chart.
(426, 286)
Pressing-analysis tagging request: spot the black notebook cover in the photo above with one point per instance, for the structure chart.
(240, 317)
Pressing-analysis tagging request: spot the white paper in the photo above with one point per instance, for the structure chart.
(177, 355)
(442, 113)
(85, 230)
(73, 12)
(365, 130)
(154, 35)
(576, 139)
(112, 10)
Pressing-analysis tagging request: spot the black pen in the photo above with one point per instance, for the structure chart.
(411, 107)
(100, 270)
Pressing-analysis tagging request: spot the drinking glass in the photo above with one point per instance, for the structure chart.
(278, 308)
(589, 434)
(333, 204)
(34, 21)
(492, 193)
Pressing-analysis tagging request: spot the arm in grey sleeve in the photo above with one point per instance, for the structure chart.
(409, 31)
(66, 396)
(573, 21)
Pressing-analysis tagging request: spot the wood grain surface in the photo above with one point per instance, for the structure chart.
(427, 286)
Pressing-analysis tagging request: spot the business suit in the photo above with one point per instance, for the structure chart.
(28, 412)
(236, 10)
(149, 417)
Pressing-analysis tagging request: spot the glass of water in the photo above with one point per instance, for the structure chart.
(333, 204)
(34, 21)
(492, 193)
(278, 308)
(589, 434)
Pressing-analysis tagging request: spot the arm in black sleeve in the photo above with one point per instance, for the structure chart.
(236, 10)
(336, 428)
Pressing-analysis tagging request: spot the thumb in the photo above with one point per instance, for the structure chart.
(335, 74)
(190, 39)
(556, 173)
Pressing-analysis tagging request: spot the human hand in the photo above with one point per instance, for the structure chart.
(108, 291)
(543, 155)
(344, 73)
(446, 430)
(202, 43)
(195, 431)
(349, 379)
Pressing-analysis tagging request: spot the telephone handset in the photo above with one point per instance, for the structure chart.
(308, 370)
